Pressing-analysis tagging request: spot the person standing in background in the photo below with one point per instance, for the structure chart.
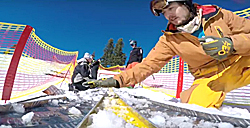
(94, 66)
(135, 56)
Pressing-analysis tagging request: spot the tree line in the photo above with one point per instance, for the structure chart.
(113, 54)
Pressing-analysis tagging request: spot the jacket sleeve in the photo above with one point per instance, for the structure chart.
(129, 60)
(96, 62)
(154, 61)
(140, 54)
(240, 28)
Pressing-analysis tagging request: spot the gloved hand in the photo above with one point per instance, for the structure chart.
(218, 48)
(104, 82)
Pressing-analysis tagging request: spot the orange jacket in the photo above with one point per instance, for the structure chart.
(216, 22)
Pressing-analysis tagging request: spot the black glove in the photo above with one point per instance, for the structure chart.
(218, 48)
(104, 82)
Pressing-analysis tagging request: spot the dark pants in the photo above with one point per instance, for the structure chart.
(94, 71)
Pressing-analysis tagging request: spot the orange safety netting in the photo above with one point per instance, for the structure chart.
(113, 68)
(28, 64)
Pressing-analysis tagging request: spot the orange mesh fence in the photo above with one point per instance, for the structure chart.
(28, 64)
(113, 68)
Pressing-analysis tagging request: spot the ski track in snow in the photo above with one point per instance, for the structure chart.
(161, 117)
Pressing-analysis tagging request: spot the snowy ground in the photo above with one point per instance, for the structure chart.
(159, 116)
(165, 118)
(162, 98)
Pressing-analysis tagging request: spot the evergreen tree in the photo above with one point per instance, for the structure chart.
(119, 56)
(108, 56)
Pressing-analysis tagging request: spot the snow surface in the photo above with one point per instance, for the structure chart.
(162, 119)
(27, 118)
(163, 98)
(106, 118)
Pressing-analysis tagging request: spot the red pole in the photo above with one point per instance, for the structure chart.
(66, 74)
(11, 73)
(180, 78)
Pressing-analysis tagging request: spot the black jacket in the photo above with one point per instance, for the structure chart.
(94, 68)
(81, 72)
(135, 55)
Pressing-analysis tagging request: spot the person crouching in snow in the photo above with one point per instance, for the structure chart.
(81, 73)
(214, 42)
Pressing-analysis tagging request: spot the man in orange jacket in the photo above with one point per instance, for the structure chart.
(213, 41)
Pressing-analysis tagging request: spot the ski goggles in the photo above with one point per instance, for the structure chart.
(157, 6)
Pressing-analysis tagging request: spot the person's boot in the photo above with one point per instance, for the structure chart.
(75, 90)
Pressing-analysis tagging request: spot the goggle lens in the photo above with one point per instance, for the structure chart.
(157, 6)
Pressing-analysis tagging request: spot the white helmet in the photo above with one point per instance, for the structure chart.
(165, 3)
(132, 42)
(87, 56)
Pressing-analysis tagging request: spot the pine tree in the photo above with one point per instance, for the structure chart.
(108, 56)
(119, 56)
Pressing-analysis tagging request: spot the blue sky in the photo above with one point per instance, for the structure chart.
(87, 25)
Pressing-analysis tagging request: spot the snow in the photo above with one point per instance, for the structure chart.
(158, 120)
(5, 126)
(27, 118)
(161, 119)
(163, 98)
(19, 108)
(2, 102)
(54, 102)
(105, 118)
(74, 111)
(225, 125)
(237, 112)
